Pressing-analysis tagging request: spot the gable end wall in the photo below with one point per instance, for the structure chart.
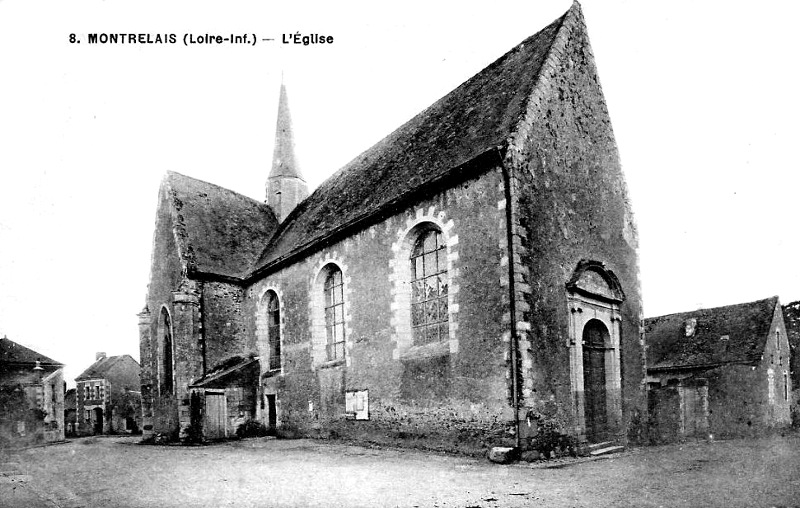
(572, 204)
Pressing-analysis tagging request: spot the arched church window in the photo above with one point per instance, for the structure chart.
(274, 330)
(429, 284)
(167, 352)
(334, 313)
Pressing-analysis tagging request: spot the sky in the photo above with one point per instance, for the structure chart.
(702, 98)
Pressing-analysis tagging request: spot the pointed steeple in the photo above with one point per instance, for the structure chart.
(286, 186)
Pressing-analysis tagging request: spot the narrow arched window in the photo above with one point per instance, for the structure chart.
(334, 313)
(785, 386)
(274, 330)
(429, 316)
(166, 358)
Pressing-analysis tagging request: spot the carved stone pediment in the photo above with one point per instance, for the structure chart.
(592, 278)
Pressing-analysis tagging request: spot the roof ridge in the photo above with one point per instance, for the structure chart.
(720, 307)
(547, 68)
(170, 172)
(476, 117)
(42, 359)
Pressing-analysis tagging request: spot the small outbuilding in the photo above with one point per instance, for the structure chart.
(721, 372)
(31, 396)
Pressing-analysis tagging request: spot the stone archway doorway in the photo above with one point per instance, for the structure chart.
(595, 340)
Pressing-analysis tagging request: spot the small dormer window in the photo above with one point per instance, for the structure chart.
(689, 327)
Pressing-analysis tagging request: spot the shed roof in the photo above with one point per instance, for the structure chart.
(722, 335)
(13, 353)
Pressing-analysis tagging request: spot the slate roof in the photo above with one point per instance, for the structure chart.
(746, 325)
(13, 353)
(218, 231)
(100, 368)
(478, 117)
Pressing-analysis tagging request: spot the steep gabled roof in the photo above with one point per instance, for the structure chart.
(478, 117)
(101, 368)
(730, 334)
(13, 353)
(218, 231)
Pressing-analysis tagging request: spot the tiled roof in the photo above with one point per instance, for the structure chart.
(479, 116)
(11, 352)
(218, 231)
(730, 334)
(100, 368)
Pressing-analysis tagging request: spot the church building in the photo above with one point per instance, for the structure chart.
(467, 282)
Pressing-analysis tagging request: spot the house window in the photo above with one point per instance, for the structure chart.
(96, 391)
(334, 313)
(429, 283)
(778, 340)
(85, 391)
(274, 330)
(166, 358)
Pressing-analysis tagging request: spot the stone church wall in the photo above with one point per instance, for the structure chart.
(572, 205)
(165, 276)
(227, 330)
(438, 395)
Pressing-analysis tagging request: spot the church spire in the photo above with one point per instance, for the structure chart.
(286, 186)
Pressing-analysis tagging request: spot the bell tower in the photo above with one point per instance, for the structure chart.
(286, 187)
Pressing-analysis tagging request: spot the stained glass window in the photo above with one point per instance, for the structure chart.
(334, 313)
(429, 284)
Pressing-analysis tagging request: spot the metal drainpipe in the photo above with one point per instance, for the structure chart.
(514, 342)
(203, 328)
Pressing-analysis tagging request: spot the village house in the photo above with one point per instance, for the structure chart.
(31, 396)
(108, 396)
(719, 372)
(468, 281)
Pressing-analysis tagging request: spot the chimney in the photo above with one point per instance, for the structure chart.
(99, 356)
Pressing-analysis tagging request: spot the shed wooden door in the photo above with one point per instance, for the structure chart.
(214, 425)
(595, 335)
(695, 421)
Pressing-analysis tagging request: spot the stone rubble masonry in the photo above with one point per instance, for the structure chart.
(434, 392)
(570, 203)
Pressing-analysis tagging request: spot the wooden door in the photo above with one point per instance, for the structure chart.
(695, 421)
(214, 425)
(272, 417)
(595, 336)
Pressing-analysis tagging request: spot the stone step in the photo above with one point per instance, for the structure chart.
(604, 444)
(606, 450)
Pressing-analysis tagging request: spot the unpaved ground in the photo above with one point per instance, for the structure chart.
(100, 472)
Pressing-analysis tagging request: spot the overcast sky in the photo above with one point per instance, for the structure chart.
(702, 96)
